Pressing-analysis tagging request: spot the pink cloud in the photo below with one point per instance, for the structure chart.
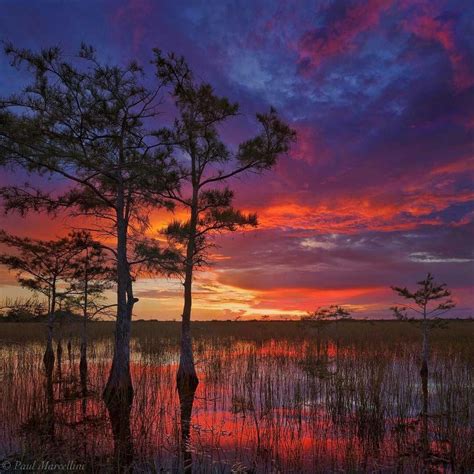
(425, 22)
(341, 37)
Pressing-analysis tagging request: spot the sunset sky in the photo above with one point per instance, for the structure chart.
(378, 189)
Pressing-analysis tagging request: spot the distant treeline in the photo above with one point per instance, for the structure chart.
(22, 314)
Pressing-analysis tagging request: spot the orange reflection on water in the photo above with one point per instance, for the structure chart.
(265, 405)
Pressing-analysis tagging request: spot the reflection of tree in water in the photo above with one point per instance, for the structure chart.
(425, 445)
(84, 391)
(375, 410)
(63, 419)
(186, 395)
(119, 414)
(49, 402)
(59, 358)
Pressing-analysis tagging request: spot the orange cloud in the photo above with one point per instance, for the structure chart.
(300, 300)
(403, 205)
(355, 214)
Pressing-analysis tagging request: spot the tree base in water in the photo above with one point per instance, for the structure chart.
(48, 359)
(186, 382)
(118, 395)
(424, 369)
(119, 409)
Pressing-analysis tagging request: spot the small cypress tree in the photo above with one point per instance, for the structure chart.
(42, 266)
(429, 301)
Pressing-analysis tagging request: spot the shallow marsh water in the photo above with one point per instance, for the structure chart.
(267, 401)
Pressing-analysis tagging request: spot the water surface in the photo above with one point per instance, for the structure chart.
(267, 402)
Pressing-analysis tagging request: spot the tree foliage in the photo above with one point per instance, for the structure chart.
(90, 124)
(92, 273)
(206, 162)
(41, 265)
(430, 301)
(323, 316)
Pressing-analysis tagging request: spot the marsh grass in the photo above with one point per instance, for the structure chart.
(267, 401)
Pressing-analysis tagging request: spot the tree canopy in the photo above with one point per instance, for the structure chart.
(430, 300)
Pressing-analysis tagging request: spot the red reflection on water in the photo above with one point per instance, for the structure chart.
(256, 404)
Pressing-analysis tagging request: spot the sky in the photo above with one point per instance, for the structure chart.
(377, 191)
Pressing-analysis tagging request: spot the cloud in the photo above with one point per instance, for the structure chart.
(339, 36)
(426, 257)
(426, 20)
(378, 188)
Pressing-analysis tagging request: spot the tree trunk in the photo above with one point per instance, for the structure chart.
(187, 378)
(83, 371)
(83, 360)
(318, 343)
(119, 389)
(424, 372)
(69, 350)
(59, 347)
(425, 350)
(48, 358)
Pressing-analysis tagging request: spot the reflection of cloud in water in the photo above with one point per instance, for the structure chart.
(267, 403)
